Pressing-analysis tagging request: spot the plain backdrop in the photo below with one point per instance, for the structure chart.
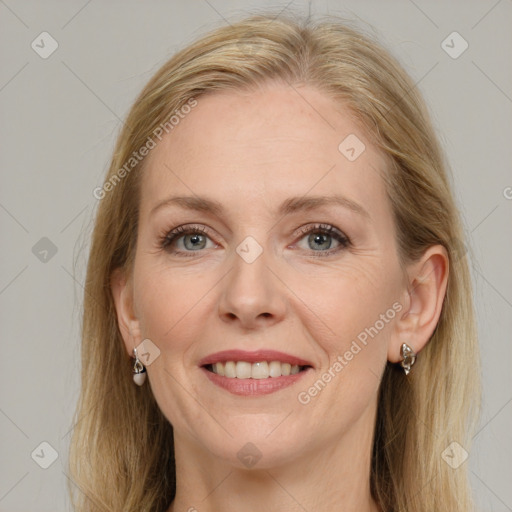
(60, 116)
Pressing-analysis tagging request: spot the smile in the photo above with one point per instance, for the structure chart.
(258, 370)
(253, 373)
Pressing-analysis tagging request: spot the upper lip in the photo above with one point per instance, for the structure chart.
(253, 357)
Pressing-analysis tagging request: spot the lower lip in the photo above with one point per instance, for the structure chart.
(250, 387)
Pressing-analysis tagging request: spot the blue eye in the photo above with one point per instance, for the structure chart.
(196, 241)
(193, 239)
(189, 239)
(322, 237)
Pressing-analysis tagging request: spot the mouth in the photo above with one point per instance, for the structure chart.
(253, 373)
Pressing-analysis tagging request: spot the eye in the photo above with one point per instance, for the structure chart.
(185, 239)
(324, 239)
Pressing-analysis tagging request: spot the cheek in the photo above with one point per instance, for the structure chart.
(169, 303)
(172, 305)
(360, 317)
(356, 323)
(344, 302)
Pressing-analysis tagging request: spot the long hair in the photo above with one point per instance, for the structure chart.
(121, 454)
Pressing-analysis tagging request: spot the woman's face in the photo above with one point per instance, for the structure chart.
(280, 257)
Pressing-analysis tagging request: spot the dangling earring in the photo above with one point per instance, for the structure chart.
(408, 358)
(139, 370)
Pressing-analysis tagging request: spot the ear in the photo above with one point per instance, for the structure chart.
(422, 300)
(129, 325)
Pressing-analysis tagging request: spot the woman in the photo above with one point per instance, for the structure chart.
(277, 248)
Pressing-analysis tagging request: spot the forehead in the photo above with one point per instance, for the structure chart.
(265, 145)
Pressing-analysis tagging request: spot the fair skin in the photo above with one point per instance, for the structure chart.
(251, 152)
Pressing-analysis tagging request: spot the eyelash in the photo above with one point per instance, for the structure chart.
(168, 238)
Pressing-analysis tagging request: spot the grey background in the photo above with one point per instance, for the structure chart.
(59, 120)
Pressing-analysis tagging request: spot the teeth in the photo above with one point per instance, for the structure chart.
(243, 370)
(218, 368)
(229, 369)
(275, 369)
(260, 370)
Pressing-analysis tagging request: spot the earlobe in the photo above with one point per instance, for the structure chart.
(122, 293)
(428, 279)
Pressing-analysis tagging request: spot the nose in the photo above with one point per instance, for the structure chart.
(253, 296)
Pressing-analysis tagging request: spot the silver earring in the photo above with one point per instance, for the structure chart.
(408, 358)
(139, 370)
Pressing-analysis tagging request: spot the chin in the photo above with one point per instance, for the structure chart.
(255, 441)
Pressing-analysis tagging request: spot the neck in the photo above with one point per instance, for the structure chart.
(334, 477)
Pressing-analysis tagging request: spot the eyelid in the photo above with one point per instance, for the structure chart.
(319, 226)
(186, 229)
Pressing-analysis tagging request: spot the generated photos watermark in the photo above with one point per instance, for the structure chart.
(137, 156)
(361, 341)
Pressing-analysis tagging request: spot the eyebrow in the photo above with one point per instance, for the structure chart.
(290, 205)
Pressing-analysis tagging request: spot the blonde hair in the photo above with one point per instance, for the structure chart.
(121, 455)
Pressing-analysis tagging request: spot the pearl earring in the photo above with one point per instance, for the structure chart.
(139, 370)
